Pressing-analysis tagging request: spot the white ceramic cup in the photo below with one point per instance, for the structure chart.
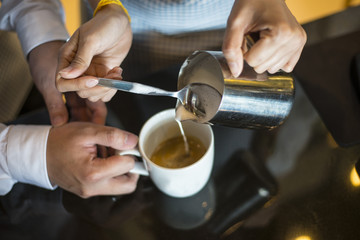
(175, 182)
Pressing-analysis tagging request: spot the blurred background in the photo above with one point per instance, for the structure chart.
(304, 10)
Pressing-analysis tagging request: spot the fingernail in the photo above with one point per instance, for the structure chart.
(92, 82)
(234, 68)
(131, 140)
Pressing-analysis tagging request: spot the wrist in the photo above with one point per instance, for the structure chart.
(111, 4)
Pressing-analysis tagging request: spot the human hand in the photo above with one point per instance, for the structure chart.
(83, 110)
(43, 63)
(281, 36)
(96, 47)
(74, 165)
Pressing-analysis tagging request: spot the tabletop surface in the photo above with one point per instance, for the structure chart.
(293, 182)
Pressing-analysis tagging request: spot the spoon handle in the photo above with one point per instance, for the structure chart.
(134, 87)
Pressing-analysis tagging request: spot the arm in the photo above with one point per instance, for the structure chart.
(36, 22)
(41, 31)
(281, 36)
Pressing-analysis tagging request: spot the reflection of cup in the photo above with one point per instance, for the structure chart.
(187, 213)
(175, 182)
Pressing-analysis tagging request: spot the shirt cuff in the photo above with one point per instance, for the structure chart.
(26, 154)
(49, 28)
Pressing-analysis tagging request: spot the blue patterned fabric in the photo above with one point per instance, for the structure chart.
(178, 16)
(166, 32)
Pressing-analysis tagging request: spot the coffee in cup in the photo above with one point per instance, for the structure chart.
(173, 153)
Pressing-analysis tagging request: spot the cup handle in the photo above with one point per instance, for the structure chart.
(139, 167)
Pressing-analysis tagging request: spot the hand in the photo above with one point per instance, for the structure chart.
(95, 48)
(43, 63)
(281, 36)
(74, 165)
(83, 110)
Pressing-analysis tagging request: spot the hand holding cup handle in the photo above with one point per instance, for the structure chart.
(140, 167)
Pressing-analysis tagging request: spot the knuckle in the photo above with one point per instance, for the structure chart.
(288, 68)
(111, 136)
(85, 193)
(54, 106)
(259, 70)
(83, 190)
(93, 98)
(251, 61)
(108, 96)
(105, 99)
(272, 70)
(59, 85)
(131, 185)
(82, 94)
(129, 162)
(234, 21)
(79, 84)
(90, 176)
(300, 38)
(229, 53)
(78, 60)
(87, 129)
(303, 36)
(284, 32)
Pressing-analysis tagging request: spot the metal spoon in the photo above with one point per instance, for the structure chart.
(139, 88)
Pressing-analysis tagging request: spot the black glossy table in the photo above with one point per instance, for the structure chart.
(294, 182)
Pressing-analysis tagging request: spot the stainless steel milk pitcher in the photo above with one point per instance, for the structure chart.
(252, 100)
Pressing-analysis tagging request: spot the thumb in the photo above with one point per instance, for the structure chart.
(75, 58)
(56, 107)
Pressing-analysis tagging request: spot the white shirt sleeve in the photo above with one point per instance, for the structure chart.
(35, 21)
(23, 156)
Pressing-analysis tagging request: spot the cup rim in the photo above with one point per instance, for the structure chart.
(210, 147)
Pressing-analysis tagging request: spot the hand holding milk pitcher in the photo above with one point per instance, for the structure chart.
(208, 93)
